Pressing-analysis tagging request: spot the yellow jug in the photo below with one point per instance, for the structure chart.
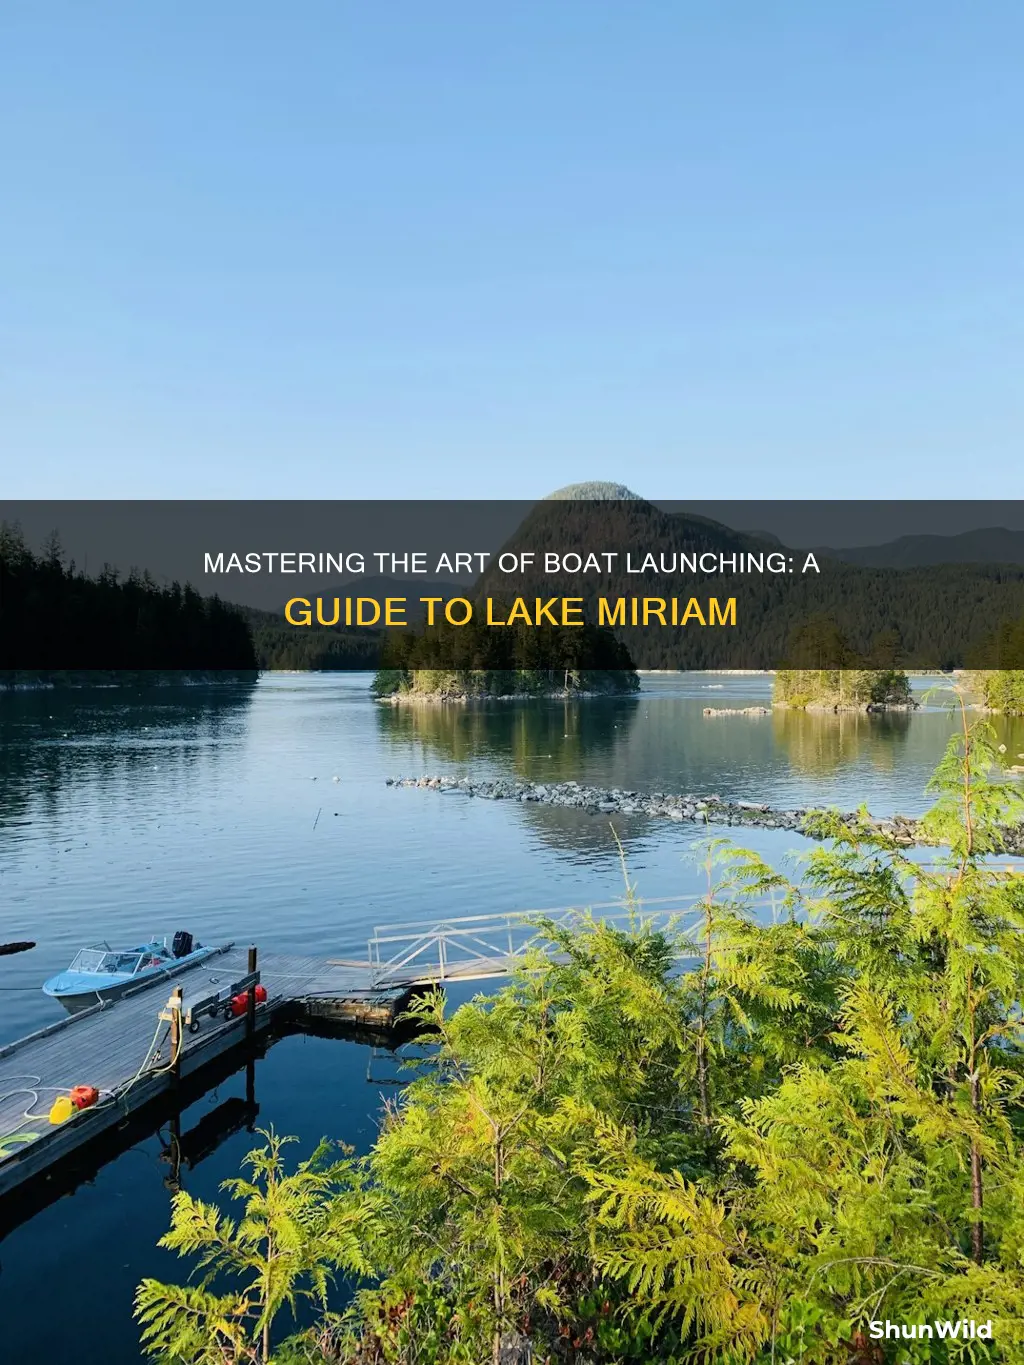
(62, 1109)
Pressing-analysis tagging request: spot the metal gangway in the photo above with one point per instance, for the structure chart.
(481, 947)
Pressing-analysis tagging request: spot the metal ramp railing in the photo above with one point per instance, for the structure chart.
(475, 947)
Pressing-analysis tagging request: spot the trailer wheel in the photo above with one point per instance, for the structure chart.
(193, 1026)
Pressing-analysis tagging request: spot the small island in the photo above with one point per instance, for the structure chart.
(396, 686)
(1000, 690)
(474, 663)
(843, 689)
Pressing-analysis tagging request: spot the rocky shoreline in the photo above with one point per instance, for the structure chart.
(737, 710)
(823, 708)
(661, 805)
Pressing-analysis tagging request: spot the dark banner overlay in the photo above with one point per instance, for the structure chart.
(598, 583)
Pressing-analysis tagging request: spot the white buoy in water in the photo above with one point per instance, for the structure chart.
(335, 779)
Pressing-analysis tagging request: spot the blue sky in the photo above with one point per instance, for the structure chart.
(485, 249)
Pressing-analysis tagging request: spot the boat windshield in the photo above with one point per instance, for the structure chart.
(98, 960)
(130, 962)
(89, 960)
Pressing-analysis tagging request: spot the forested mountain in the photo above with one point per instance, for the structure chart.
(934, 616)
(927, 617)
(316, 649)
(594, 490)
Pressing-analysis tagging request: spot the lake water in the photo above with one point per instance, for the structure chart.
(216, 810)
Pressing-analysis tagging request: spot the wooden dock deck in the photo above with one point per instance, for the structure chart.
(136, 1052)
(124, 1048)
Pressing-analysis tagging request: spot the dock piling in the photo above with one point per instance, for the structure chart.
(250, 998)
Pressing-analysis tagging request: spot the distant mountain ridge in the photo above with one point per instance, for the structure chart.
(989, 545)
(933, 611)
(986, 545)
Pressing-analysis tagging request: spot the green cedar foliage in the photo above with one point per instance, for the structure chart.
(725, 1141)
(295, 1232)
(1000, 689)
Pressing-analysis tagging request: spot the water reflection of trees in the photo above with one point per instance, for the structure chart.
(819, 743)
(544, 739)
(651, 744)
(53, 741)
(629, 742)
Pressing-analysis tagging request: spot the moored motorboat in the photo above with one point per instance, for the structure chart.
(102, 973)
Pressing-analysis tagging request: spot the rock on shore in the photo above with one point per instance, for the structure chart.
(663, 805)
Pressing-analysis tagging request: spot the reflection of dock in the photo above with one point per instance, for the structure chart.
(145, 1052)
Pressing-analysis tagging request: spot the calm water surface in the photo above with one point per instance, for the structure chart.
(261, 814)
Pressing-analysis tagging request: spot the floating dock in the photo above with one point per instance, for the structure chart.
(169, 1039)
(134, 1050)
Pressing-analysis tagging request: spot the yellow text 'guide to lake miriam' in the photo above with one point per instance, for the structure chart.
(538, 611)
